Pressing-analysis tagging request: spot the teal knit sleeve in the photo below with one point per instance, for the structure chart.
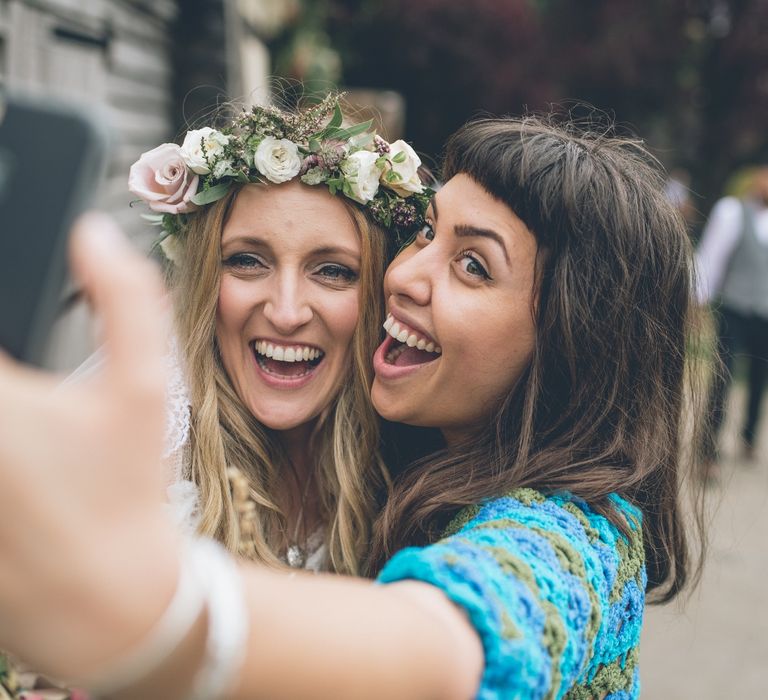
(555, 592)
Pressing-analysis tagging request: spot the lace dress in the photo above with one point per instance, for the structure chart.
(182, 493)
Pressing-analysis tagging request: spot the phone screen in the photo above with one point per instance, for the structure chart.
(50, 162)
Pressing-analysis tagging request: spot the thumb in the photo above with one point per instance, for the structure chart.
(128, 294)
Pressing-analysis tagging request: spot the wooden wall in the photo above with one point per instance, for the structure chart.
(150, 67)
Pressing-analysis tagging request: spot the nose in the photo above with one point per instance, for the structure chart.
(288, 307)
(410, 276)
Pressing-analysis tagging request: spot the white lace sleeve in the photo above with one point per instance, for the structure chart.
(177, 417)
(182, 493)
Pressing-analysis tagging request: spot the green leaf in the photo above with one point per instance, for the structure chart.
(212, 194)
(314, 176)
(400, 157)
(337, 117)
(362, 141)
(335, 184)
(159, 240)
(314, 145)
(348, 133)
(393, 176)
(154, 219)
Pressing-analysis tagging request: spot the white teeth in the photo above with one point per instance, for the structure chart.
(286, 353)
(404, 335)
(393, 354)
(438, 350)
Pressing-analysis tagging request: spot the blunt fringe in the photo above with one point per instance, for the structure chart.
(604, 404)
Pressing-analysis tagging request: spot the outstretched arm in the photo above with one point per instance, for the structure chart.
(89, 560)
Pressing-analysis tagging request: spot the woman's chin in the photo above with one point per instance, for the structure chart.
(395, 407)
(282, 418)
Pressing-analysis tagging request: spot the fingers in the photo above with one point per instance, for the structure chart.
(127, 293)
(16, 377)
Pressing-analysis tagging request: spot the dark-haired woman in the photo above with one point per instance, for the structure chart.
(539, 322)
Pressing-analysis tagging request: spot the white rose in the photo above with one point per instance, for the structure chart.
(404, 163)
(201, 146)
(172, 249)
(362, 174)
(277, 159)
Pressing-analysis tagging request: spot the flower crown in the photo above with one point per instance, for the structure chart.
(267, 144)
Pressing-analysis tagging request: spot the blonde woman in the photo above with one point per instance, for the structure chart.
(277, 230)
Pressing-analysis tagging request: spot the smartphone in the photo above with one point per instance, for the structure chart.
(51, 159)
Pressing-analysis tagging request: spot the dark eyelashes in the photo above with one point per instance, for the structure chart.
(480, 270)
(427, 232)
(332, 272)
(338, 273)
(243, 260)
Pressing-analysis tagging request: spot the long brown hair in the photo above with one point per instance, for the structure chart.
(349, 472)
(600, 406)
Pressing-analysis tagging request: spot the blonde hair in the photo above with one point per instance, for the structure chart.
(349, 471)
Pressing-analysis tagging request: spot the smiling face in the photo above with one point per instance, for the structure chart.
(460, 322)
(288, 300)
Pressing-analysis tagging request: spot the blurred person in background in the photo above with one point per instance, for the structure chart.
(732, 267)
(677, 188)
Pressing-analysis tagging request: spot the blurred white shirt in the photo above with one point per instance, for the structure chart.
(719, 240)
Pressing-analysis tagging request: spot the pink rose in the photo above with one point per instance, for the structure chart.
(162, 179)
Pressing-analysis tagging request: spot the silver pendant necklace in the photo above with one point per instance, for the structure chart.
(296, 556)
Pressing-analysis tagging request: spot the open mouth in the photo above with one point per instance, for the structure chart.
(287, 361)
(408, 347)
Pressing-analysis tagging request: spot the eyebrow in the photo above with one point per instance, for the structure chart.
(467, 231)
(332, 250)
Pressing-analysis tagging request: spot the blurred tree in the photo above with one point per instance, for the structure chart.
(690, 76)
(450, 59)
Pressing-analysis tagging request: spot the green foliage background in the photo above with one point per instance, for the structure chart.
(688, 76)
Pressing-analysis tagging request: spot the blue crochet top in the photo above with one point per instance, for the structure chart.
(555, 591)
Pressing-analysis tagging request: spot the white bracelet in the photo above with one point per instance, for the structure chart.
(163, 639)
(208, 577)
(228, 626)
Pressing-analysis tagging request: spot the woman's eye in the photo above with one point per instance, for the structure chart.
(426, 232)
(243, 261)
(337, 273)
(472, 266)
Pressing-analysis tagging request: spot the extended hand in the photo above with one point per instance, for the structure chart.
(81, 520)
